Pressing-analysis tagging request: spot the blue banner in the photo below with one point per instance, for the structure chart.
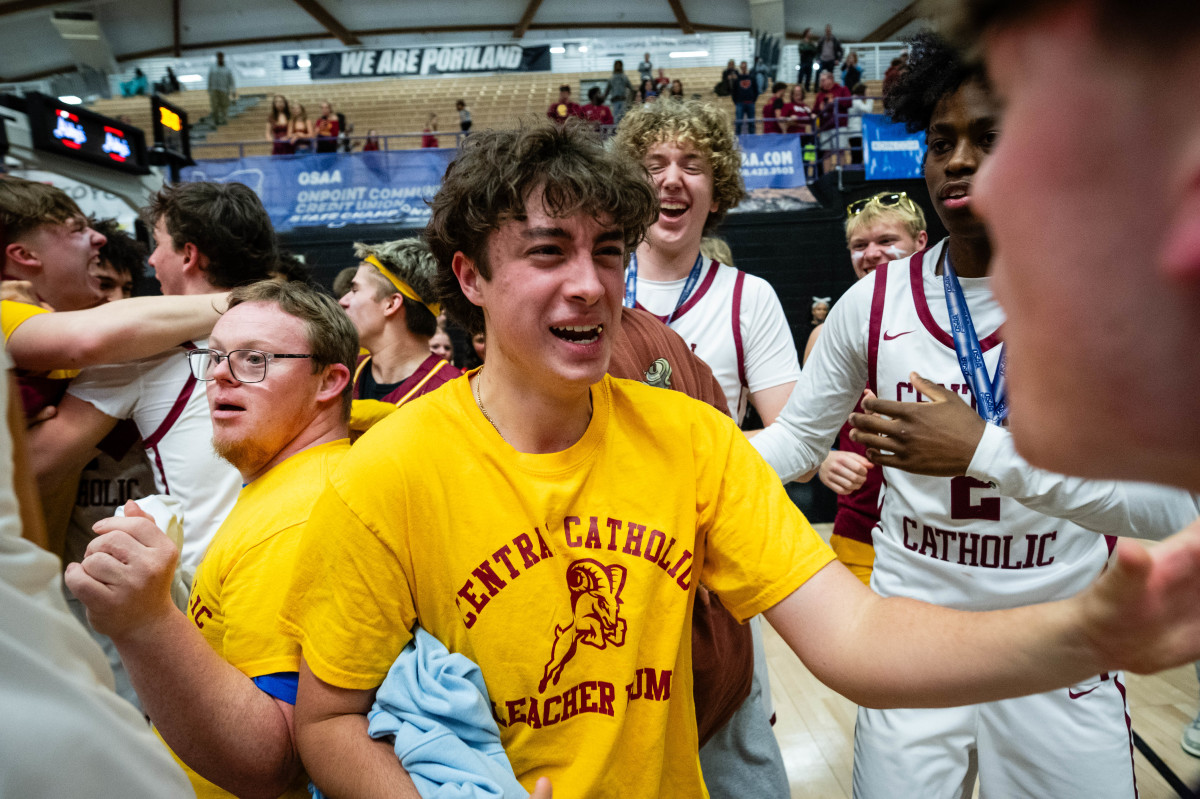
(890, 151)
(337, 189)
(772, 161)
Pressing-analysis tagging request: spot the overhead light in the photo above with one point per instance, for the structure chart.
(689, 54)
(191, 78)
(70, 98)
(558, 49)
(303, 62)
(583, 48)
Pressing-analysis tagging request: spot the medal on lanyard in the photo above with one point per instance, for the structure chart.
(991, 394)
(688, 285)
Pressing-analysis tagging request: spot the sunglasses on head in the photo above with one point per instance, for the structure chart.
(885, 199)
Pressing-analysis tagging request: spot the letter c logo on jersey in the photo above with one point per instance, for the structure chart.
(596, 615)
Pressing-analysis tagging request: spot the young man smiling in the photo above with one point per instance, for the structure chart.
(568, 582)
(734, 323)
(996, 533)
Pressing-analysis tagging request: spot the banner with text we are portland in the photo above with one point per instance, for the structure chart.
(416, 61)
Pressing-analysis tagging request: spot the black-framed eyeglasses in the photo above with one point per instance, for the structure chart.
(886, 199)
(246, 366)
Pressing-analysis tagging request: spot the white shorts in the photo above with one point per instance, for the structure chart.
(1072, 743)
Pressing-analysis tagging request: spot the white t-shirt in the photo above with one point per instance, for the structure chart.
(183, 461)
(960, 542)
(65, 732)
(758, 354)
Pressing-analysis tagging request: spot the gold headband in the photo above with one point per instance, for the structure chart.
(402, 287)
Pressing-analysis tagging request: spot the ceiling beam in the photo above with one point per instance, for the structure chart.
(177, 49)
(888, 29)
(681, 17)
(327, 21)
(17, 6)
(526, 18)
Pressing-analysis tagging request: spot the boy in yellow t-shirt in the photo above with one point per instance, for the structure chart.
(551, 523)
(218, 680)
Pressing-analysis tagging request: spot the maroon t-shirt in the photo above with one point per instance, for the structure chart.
(858, 511)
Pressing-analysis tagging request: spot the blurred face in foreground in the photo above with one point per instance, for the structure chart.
(1097, 250)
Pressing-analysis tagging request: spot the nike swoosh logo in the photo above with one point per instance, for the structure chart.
(1074, 695)
(889, 337)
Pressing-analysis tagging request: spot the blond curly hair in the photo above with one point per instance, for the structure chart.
(702, 125)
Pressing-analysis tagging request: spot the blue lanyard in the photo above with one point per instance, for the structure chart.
(991, 396)
(688, 286)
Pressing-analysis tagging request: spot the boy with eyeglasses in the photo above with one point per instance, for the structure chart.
(880, 228)
(965, 522)
(218, 680)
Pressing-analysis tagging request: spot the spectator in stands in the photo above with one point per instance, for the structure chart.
(429, 134)
(168, 85)
(281, 422)
(820, 310)
(221, 90)
(279, 126)
(645, 69)
(676, 92)
(563, 109)
(729, 78)
(892, 75)
(829, 50)
(345, 128)
(301, 131)
(136, 86)
(745, 95)
(647, 92)
(859, 105)
(761, 78)
(833, 102)
(773, 109)
(372, 141)
(662, 81)
(618, 89)
(797, 112)
(808, 51)
(596, 111)
(441, 346)
(328, 128)
(390, 303)
(851, 72)
(464, 115)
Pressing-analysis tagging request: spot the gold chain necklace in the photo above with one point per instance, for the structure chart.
(479, 402)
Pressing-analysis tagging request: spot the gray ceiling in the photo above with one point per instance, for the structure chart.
(31, 47)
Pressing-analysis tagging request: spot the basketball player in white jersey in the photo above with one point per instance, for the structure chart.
(961, 542)
(735, 323)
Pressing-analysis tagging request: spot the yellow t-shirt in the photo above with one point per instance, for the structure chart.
(12, 315)
(240, 585)
(568, 577)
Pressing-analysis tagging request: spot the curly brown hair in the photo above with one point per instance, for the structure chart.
(703, 125)
(496, 172)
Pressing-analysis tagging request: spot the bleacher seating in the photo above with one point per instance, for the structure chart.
(401, 106)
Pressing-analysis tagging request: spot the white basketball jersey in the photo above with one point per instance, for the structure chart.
(956, 541)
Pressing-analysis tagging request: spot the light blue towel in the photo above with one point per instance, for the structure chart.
(436, 706)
